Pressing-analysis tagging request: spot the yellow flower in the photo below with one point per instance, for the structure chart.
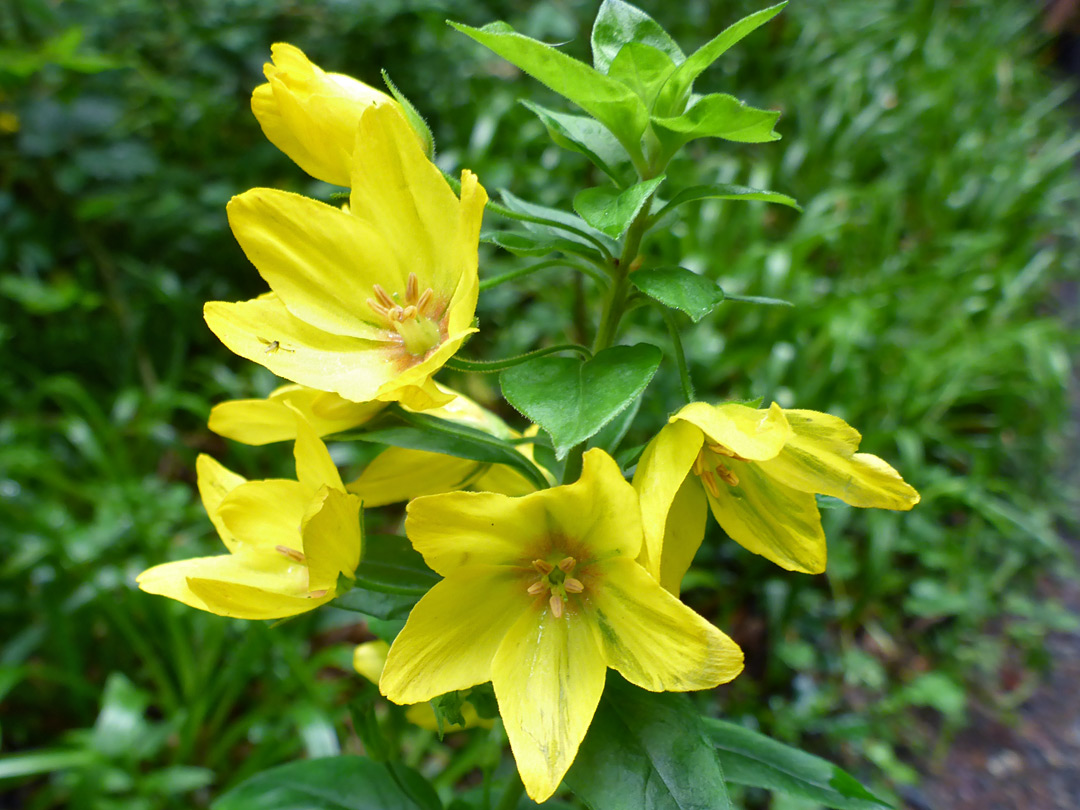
(367, 303)
(758, 470)
(397, 474)
(311, 115)
(288, 541)
(541, 594)
(369, 659)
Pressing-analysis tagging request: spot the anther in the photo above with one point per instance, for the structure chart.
(566, 564)
(573, 585)
(729, 478)
(537, 588)
(556, 605)
(720, 450)
(412, 289)
(291, 553)
(408, 312)
(383, 296)
(378, 309)
(543, 566)
(699, 464)
(425, 299)
(709, 480)
(397, 314)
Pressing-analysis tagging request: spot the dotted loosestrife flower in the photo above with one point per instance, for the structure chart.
(311, 115)
(367, 303)
(758, 469)
(541, 594)
(288, 541)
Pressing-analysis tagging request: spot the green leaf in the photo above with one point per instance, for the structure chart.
(391, 565)
(643, 69)
(611, 211)
(610, 102)
(526, 243)
(582, 134)
(572, 400)
(758, 299)
(416, 431)
(554, 222)
(121, 725)
(33, 763)
(726, 191)
(679, 288)
(753, 759)
(412, 115)
(717, 116)
(609, 437)
(678, 86)
(332, 783)
(647, 751)
(618, 24)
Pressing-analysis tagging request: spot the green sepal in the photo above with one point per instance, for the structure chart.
(750, 758)
(610, 102)
(672, 98)
(679, 288)
(618, 24)
(718, 115)
(412, 115)
(610, 210)
(572, 400)
(584, 135)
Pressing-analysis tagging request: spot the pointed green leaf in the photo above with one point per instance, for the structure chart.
(679, 288)
(753, 759)
(618, 23)
(643, 69)
(556, 222)
(526, 243)
(580, 133)
(610, 102)
(759, 299)
(678, 86)
(391, 565)
(333, 783)
(647, 751)
(611, 211)
(717, 116)
(726, 191)
(572, 400)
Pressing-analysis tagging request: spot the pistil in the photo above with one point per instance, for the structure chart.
(415, 321)
(557, 580)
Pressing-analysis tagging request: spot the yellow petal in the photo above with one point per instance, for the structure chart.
(321, 262)
(452, 633)
(470, 214)
(403, 196)
(398, 474)
(311, 115)
(820, 457)
(332, 538)
(424, 396)
(356, 369)
(771, 519)
(653, 639)
(502, 479)
(215, 482)
(465, 411)
(683, 533)
(749, 432)
(369, 659)
(246, 602)
(262, 421)
(660, 472)
(548, 675)
(314, 467)
(598, 515)
(262, 515)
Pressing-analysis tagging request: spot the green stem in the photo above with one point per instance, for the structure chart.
(615, 303)
(680, 355)
(495, 281)
(492, 366)
(512, 795)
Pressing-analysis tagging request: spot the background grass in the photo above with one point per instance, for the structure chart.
(932, 148)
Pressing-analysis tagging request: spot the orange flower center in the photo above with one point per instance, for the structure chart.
(708, 467)
(555, 580)
(415, 323)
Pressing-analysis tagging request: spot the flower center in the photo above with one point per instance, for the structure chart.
(708, 467)
(415, 321)
(556, 579)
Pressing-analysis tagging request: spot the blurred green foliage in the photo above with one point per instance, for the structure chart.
(930, 147)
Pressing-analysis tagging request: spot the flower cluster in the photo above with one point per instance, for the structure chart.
(543, 589)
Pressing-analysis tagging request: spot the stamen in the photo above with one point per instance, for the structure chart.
(566, 564)
(425, 299)
(408, 312)
(720, 450)
(378, 309)
(537, 588)
(699, 463)
(556, 605)
(573, 585)
(412, 289)
(709, 481)
(291, 553)
(384, 296)
(729, 478)
(543, 566)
